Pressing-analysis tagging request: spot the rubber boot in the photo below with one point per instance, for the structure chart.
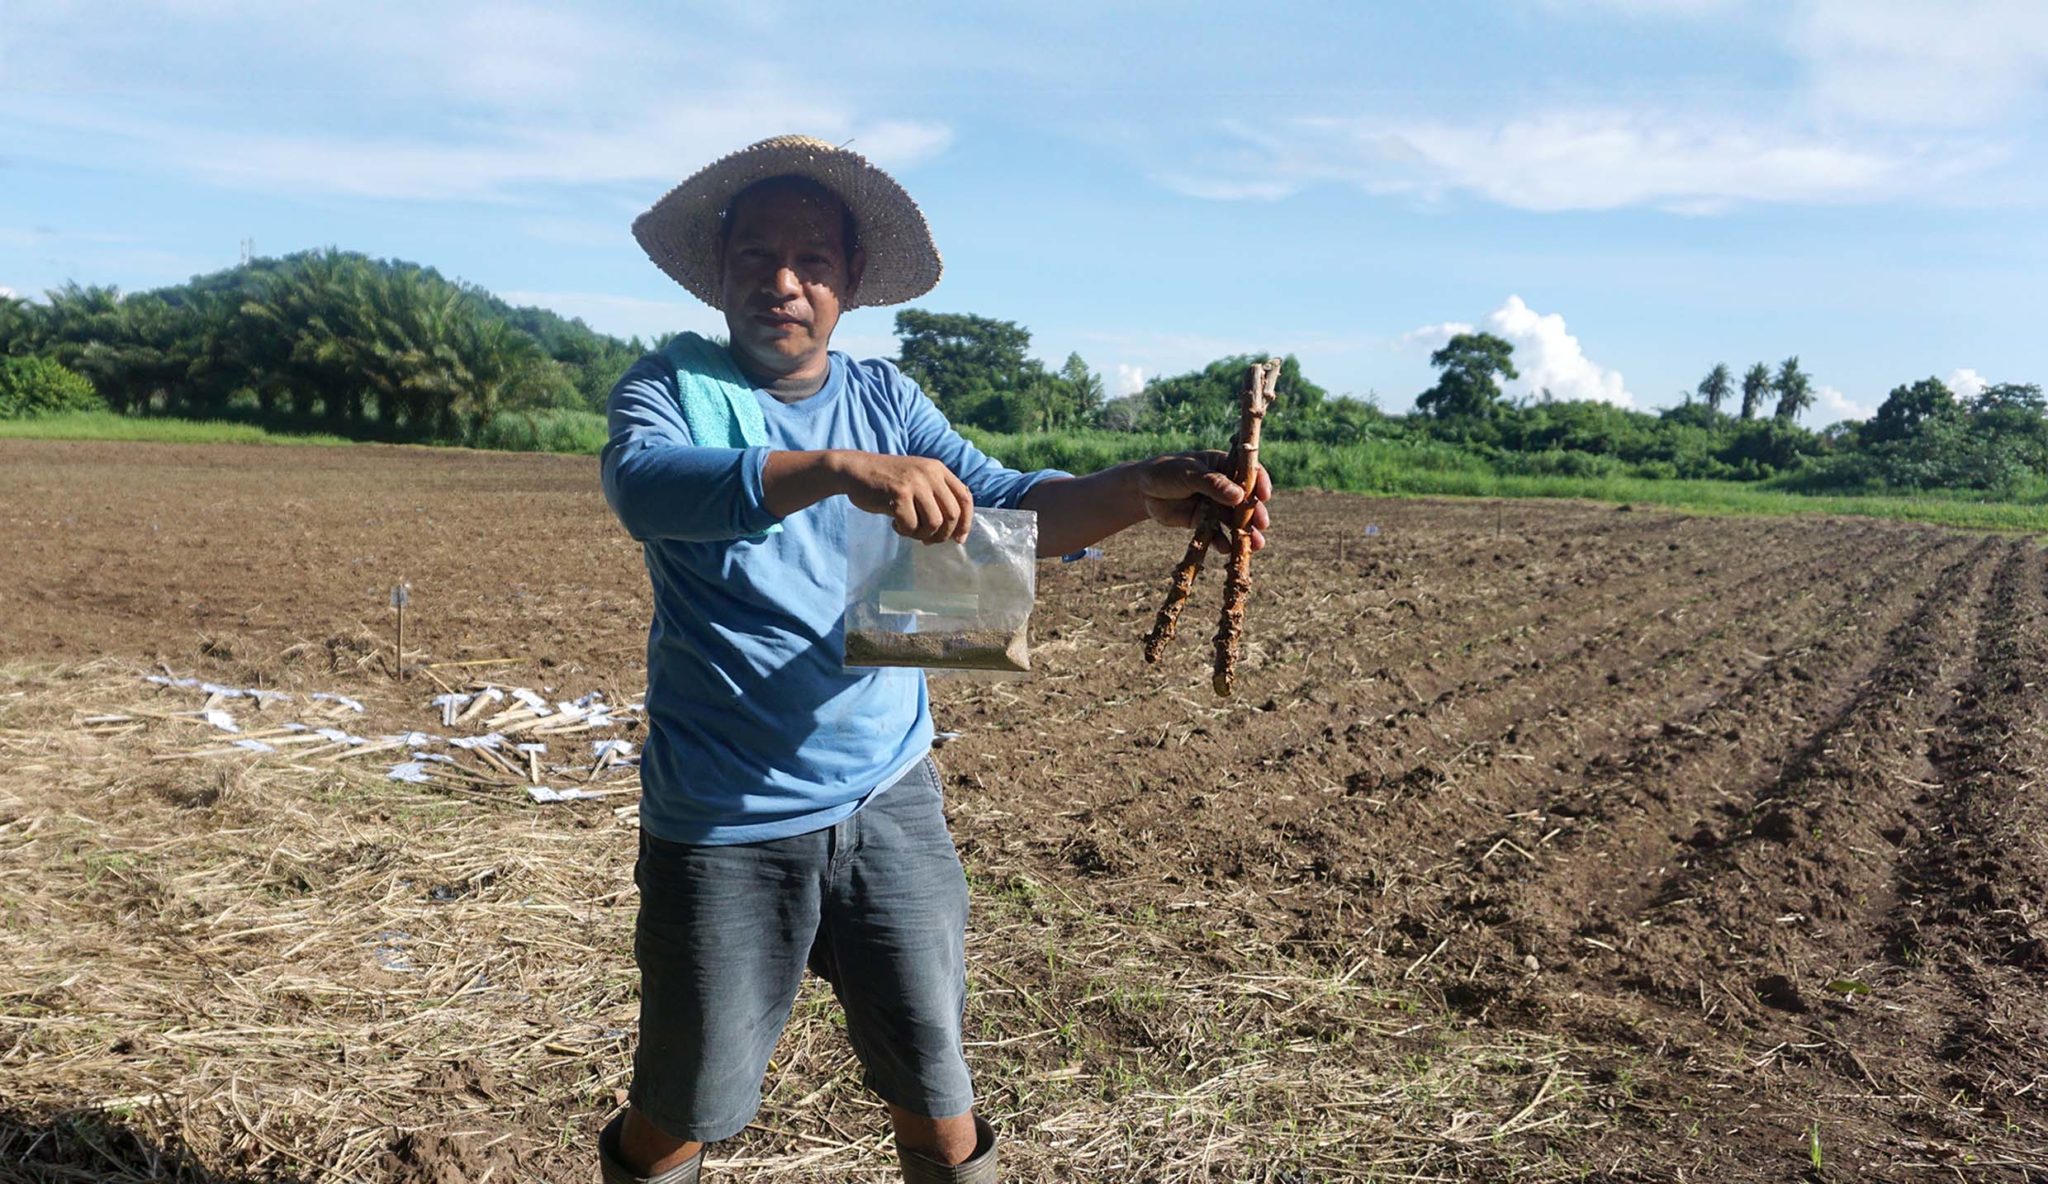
(616, 1172)
(980, 1169)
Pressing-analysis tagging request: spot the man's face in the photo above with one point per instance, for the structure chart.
(784, 276)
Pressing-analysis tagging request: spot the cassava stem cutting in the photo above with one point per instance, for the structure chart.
(1260, 380)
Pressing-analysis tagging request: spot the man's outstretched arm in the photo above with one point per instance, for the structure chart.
(664, 486)
(1074, 512)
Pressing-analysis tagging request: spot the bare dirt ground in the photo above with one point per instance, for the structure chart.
(1541, 842)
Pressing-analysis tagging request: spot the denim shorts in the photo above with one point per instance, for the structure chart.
(876, 905)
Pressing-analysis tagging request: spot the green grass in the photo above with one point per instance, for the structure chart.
(1378, 467)
(1422, 469)
(109, 425)
(579, 432)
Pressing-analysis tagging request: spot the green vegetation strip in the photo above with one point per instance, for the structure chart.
(576, 432)
(1383, 468)
(110, 425)
(1425, 469)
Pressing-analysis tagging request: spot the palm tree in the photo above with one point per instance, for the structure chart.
(502, 369)
(294, 318)
(1795, 390)
(1081, 394)
(19, 326)
(124, 345)
(213, 352)
(1716, 386)
(1756, 383)
(362, 341)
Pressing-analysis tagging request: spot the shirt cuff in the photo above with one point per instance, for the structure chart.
(755, 516)
(1031, 481)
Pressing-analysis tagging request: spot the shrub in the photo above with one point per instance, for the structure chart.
(38, 386)
(554, 430)
(1557, 462)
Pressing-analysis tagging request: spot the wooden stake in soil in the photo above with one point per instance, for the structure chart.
(533, 752)
(400, 593)
(1243, 464)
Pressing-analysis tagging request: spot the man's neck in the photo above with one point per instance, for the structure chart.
(789, 388)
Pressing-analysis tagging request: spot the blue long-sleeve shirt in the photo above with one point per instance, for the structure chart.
(754, 730)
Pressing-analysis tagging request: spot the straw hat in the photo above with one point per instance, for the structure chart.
(680, 233)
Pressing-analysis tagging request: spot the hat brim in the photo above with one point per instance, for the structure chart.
(680, 233)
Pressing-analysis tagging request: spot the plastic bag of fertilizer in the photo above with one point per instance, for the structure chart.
(943, 606)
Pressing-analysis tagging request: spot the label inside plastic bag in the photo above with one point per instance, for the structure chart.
(943, 606)
(896, 601)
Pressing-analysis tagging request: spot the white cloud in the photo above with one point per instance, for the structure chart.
(447, 102)
(1965, 383)
(1547, 355)
(1832, 406)
(470, 54)
(1912, 63)
(6, 293)
(1128, 380)
(1594, 159)
(1889, 99)
(1229, 189)
(518, 53)
(494, 165)
(1433, 335)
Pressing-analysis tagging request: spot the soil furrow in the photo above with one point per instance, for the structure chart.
(1598, 820)
(1544, 842)
(1620, 801)
(1766, 910)
(1964, 944)
(1403, 785)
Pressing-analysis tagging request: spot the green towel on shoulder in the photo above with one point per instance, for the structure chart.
(717, 401)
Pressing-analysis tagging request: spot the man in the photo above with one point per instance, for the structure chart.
(791, 815)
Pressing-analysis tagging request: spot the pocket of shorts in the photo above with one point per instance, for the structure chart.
(931, 769)
(664, 869)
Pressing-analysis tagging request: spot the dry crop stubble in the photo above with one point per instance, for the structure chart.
(259, 968)
(1479, 876)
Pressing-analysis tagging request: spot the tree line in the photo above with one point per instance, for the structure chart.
(1923, 435)
(388, 350)
(332, 340)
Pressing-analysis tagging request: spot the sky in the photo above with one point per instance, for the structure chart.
(1628, 190)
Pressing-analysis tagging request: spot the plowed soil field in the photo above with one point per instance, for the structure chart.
(1540, 842)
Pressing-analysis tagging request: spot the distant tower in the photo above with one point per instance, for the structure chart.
(248, 250)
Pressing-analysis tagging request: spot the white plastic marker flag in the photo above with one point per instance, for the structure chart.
(541, 793)
(449, 705)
